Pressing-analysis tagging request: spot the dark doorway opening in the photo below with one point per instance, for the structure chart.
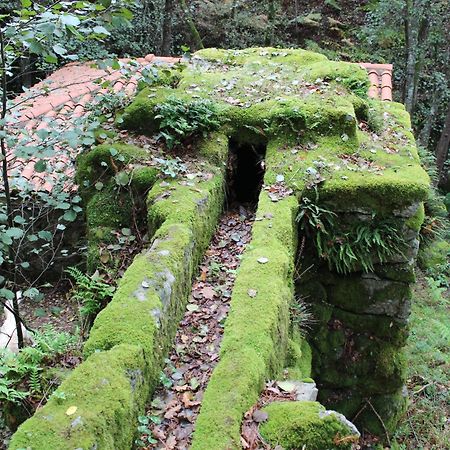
(245, 172)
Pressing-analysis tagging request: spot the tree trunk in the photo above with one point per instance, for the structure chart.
(442, 149)
(6, 187)
(194, 32)
(411, 55)
(167, 28)
(425, 132)
(271, 14)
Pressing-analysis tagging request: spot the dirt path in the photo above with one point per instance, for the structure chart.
(176, 404)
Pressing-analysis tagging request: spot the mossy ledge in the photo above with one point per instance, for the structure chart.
(130, 337)
(108, 205)
(256, 330)
(305, 424)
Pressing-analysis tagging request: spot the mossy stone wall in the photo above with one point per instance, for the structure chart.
(256, 334)
(362, 327)
(131, 336)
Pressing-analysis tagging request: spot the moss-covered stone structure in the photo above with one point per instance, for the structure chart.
(337, 225)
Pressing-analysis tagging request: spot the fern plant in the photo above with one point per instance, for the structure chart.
(21, 374)
(346, 248)
(91, 292)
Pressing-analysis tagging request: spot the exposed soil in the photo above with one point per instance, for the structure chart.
(56, 309)
(177, 402)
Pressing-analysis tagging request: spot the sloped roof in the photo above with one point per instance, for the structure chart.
(63, 95)
(66, 93)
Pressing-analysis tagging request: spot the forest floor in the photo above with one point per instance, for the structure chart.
(172, 413)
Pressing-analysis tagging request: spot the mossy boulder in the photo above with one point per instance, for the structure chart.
(305, 424)
(376, 414)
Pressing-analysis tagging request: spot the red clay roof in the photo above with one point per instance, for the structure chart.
(67, 93)
(71, 88)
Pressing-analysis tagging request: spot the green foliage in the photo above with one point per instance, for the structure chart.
(21, 374)
(180, 120)
(146, 435)
(301, 316)
(171, 167)
(428, 350)
(33, 220)
(91, 292)
(348, 247)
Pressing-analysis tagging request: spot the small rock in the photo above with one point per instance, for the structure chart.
(260, 416)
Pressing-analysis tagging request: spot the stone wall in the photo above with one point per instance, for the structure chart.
(361, 327)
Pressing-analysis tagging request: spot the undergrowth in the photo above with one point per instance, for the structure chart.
(428, 351)
(91, 293)
(180, 120)
(24, 375)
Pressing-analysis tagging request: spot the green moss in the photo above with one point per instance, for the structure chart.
(403, 272)
(434, 254)
(416, 220)
(131, 336)
(375, 414)
(108, 390)
(251, 350)
(296, 425)
(350, 75)
(371, 364)
(109, 207)
(259, 55)
(274, 102)
(298, 358)
(214, 148)
(369, 295)
(182, 226)
(100, 164)
(399, 177)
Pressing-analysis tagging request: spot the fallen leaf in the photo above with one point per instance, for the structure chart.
(263, 260)
(192, 307)
(287, 386)
(194, 383)
(252, 293)
(172, 412)
(186, 398)
(171, 442)
(71, 410)
(208, 292)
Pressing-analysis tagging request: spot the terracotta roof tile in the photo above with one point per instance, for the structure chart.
(380, 77)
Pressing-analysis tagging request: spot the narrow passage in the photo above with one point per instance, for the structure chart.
(177, 402)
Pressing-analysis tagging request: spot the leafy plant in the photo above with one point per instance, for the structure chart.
(21, 373)
(346, 247)
(91, 292)
(180, 120)
(33, 220)
(171, 167)
(146, 434)
(300, 315)
(315, 220)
